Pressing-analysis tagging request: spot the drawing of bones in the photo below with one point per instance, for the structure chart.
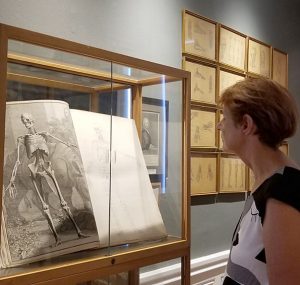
(40, 171)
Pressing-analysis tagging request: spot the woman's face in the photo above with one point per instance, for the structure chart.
(230, 132)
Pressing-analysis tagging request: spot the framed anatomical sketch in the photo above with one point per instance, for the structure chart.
(232, 174)
(203, 81)
(285, 148)
(199, 36)
(280, 67)
(232, 48)
(220, 141)
(203, 173)
(259, 55)
(203, 127)
(251, 179)
(228, 78)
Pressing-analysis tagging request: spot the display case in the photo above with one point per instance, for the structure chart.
(95, 158)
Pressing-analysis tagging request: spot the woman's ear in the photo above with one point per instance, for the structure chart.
(248, 125)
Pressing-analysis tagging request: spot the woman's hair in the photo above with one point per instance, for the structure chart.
(271, 106)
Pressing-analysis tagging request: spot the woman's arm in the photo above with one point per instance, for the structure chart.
(281, 234)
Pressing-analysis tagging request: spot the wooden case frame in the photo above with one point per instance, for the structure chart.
(199, 36)
(95, 266)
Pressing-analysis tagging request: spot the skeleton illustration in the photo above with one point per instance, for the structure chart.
(41, 171)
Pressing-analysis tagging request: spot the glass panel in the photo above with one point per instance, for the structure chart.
(54, 151)
(146, 193)
(168, 272)
(162, 128)
(92, 159)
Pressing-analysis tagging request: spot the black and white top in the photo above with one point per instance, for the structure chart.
(247, 260)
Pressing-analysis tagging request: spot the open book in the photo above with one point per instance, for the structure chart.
(73, 180)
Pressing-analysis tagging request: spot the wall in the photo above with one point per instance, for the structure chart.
(151, 30)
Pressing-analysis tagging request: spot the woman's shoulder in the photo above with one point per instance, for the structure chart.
(283, 186)
(287, 187)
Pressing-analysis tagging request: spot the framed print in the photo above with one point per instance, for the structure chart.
(203, 81)
(199, 36)
(203, 127)
(280, 67)
(259, 58)
(203, 173)
(285, 148)
(220, 141)
(251, 179)
(232, 174)
(156, 186)
(228, 78)
(232, 48)
(155, 116)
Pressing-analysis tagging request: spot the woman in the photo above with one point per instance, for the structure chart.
(258, 115)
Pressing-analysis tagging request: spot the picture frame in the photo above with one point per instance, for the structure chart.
(220, 141)
(156, 186)
(232, 48)
(251, 180)
(203, 173)
(285, 148)
(154, 139)
(227, 78)
(232, 173)
(199, 36)
(203, 81)
(203, 127)
(259, 58)
(280, 67)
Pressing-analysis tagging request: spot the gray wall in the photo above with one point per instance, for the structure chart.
(151, 30)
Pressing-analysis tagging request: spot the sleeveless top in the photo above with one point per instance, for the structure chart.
(247, 261)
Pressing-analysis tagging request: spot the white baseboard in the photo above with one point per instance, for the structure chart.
(206, 270)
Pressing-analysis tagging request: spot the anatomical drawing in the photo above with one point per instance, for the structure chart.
(203, 129)
(41, 170)
(232, 175)
(203, 174)
(227, 79)
(259, 58)
(232, 49)
(280, 67)
(199, 37)
(203, 82)
(45, 191)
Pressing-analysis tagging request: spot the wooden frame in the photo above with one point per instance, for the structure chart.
(227, 78)
(155, 118)
(220, 141)
(157, 190)
(285, 148)
(203, 81)
(232, 48)
(232, 172)
(203, 127)
(280, 67)
(86, 266)
(259, 58)
(199, 36)
(203, 173)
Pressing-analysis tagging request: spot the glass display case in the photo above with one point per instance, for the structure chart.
(94, 151)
